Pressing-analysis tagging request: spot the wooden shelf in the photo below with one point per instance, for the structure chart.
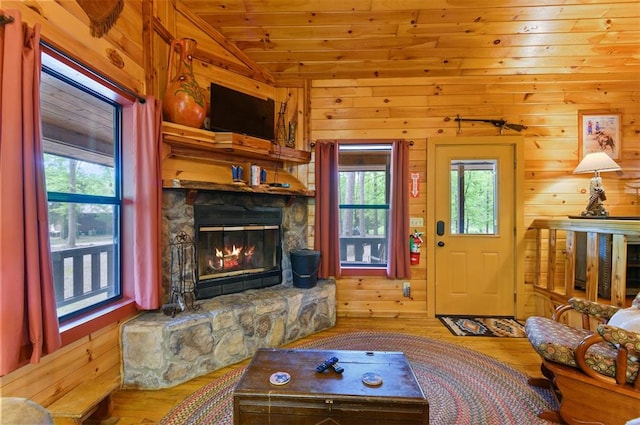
(200, 160)
(239, 145)
(242, 188)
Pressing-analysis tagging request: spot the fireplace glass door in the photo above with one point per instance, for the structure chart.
(225, 251)
(237, 249)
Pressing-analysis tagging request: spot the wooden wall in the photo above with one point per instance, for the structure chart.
(57, 373)
(422, 109)
(418, 109)
(119, 56)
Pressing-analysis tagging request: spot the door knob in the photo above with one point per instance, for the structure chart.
(440, 228)
(440, 243)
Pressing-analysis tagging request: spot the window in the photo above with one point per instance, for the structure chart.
(473, 197)
(81, 134)
(364, 181)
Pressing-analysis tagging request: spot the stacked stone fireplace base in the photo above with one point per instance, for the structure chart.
(160, 351)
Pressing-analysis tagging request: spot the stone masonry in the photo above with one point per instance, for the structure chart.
(161, 351)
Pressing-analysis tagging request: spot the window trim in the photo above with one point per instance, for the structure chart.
(84, 324)
(64, 76)
(363, 145)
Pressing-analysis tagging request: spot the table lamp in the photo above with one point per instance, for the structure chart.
(596, 162)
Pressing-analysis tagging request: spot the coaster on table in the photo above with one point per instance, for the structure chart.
(372, 379)
(279, 378)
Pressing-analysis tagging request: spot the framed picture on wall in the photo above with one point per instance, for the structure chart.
(599, 131)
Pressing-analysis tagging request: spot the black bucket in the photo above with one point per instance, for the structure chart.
(304, 265)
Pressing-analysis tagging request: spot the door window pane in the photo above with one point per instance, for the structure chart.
(474, 186)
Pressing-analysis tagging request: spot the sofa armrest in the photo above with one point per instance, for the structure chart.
(587, 309)
(621, 338)
(593, 309)
(627, 344)
(582, 362)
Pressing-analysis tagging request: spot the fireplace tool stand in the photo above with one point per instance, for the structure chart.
(182, 271)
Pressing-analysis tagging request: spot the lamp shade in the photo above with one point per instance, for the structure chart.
(596, 162)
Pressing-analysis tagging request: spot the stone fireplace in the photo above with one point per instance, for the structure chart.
(160, 351)
(243, 302)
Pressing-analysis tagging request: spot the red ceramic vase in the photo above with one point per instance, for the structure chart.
(184, 100)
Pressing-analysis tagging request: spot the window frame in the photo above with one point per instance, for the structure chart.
(109, 313)
(83, 198)
(365, 269)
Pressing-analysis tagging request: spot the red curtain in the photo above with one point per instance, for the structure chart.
(142, 203)
(326, 238)
(28, 317)
(398, 266)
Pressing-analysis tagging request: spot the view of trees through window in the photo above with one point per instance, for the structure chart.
(473, 197)
(80, 137)
(364, 204)
(68, 175)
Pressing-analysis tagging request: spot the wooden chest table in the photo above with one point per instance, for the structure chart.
(329, 398)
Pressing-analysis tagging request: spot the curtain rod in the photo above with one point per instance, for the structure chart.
(5, 19)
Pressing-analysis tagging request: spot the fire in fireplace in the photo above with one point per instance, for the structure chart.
(237, 249)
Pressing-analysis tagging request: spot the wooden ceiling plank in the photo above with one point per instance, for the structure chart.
(228, 20)
(527, 13)
(628, 50)
(521, 27)
(215, 35)
(338, 45)
(415, 70)
(302, 33)
(202, 6)
(345, 55)
(508, 79)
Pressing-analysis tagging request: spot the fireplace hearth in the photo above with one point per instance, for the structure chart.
(237, 249)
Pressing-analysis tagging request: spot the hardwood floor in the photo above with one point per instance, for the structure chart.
(149, 407)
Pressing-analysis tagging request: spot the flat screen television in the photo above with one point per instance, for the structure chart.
(239, 112)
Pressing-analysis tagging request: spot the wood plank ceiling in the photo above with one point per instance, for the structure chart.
(323, 39)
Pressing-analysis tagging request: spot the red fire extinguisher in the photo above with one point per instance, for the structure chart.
(415, 241)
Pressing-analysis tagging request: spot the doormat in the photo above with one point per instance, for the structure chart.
(483, 326)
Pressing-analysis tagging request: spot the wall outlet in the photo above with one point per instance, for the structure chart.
(416, 222)
(406, 289)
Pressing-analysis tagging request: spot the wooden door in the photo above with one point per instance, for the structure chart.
(474, 229)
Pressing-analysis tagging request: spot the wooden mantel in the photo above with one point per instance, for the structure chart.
(200, 159)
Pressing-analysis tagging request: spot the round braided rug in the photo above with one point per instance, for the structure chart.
(462, 386)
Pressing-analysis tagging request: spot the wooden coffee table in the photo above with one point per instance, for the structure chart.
(329, 398)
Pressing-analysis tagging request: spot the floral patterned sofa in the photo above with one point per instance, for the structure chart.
(593, 369)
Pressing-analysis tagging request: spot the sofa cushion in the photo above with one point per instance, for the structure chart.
(556, 342)
(627, 319)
